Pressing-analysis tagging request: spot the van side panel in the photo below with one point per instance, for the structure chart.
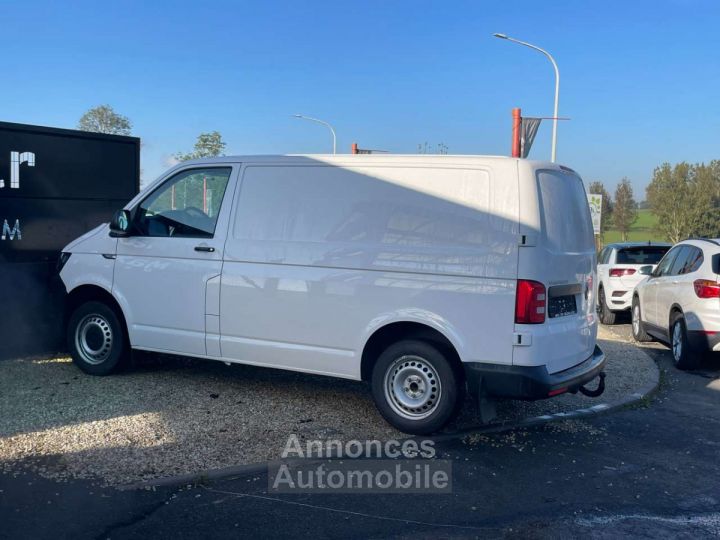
(319, 256)
(556, 215)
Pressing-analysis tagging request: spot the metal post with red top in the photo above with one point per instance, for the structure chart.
(516, 128)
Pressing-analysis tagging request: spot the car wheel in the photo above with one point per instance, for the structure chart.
(638, 327)
(683, 357)
(415, 387)
(97, 339)
(606, 315)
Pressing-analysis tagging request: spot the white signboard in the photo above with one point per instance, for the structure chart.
(595, 202)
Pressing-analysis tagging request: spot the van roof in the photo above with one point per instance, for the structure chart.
(385, 158)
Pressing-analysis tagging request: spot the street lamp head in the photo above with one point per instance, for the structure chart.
(557, 84)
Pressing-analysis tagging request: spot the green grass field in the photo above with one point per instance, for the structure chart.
(641, 230)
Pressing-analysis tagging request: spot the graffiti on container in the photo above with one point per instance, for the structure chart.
(16, 159)
(13, 233)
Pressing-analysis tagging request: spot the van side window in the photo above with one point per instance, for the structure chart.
(186, 205)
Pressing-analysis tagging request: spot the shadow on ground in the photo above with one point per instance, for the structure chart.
(171, 415)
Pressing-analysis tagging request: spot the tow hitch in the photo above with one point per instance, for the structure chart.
(598, 391)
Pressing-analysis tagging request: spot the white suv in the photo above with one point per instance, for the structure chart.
(679, 303)
(618, 274)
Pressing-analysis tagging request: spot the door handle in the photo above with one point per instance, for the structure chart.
(206, 249)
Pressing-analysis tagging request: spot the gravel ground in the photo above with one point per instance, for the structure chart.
(175, 416)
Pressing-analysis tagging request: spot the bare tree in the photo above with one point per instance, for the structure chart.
(425, 148)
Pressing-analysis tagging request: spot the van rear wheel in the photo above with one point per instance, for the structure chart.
(415, 387)
(96, 339)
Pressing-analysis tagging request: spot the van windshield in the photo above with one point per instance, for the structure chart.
(641, 255)
(566, 221)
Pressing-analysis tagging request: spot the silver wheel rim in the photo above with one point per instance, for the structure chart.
(412, 387)
(677, 342)
(636, 319)
(94, 339)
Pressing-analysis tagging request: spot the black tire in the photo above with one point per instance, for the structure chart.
(607, 316)
(637, 325)
(683, 356)
(416, 388)
(97, 339)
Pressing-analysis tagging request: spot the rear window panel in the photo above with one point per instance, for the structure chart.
(692, 261)
(680, 261)
(565, 213)
(641, 255)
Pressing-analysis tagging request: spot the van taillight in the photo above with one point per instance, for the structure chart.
(529, 302)
(706, 288)
(620, 272)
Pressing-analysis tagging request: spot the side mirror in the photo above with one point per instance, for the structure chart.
(646, 270)
(120, 224)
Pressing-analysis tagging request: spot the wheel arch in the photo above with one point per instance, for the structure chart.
(395, 331)
(87, 293)
(675, 308)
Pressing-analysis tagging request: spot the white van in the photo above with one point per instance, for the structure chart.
(424, 275)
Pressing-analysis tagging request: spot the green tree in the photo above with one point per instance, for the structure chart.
(704, 193)
(104, 119)
(598, 188)
(668, 195)
(624, 208)
(207, 145)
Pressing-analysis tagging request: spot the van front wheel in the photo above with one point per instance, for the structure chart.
(96, 339)
(415, 387)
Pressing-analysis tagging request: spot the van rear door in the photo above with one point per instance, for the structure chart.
(559, 252)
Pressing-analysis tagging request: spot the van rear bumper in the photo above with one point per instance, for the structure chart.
(531, 382)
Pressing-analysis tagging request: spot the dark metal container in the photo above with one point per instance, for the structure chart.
(55, 185)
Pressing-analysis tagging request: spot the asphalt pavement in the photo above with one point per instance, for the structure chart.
(650, 470)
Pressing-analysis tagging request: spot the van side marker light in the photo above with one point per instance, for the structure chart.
(522, 339)
(527, 240)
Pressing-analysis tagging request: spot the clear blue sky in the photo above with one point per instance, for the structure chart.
(640, 79)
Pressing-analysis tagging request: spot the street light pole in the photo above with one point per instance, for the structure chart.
(323, 123)
(557, 86)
